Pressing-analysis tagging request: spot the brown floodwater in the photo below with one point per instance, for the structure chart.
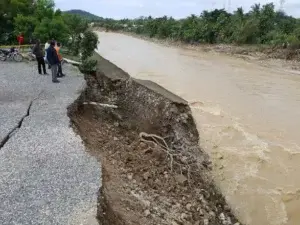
(248, 117)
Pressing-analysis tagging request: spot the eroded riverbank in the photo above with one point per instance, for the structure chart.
(247, 116)
(154, 171)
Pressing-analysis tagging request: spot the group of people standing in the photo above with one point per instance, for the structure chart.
(52, 56)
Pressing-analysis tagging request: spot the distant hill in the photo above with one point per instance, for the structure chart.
(84, 14)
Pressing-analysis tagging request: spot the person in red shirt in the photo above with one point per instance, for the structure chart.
(20, 38)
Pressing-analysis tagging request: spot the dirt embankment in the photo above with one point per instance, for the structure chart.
(153, 169)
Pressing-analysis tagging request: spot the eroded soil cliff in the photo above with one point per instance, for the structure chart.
(154, 171)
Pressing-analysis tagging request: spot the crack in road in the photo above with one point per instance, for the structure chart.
(19, 124)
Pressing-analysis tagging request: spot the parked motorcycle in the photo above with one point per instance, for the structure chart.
(12, 54)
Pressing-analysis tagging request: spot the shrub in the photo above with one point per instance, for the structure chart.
(88, 44)
(88, 66)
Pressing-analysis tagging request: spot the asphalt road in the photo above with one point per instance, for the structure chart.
(46, 177)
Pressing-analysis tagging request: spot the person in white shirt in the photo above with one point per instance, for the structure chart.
(47, 45)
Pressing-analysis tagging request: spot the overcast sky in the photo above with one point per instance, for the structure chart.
(176, 8)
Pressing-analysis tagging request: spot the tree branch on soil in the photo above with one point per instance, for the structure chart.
(175, 157)
(100, 104)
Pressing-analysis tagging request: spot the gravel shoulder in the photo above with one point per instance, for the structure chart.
(46, 177)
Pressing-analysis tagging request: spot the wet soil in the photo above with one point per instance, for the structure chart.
(139, 186)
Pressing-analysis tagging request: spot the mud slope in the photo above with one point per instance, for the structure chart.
(153, 169)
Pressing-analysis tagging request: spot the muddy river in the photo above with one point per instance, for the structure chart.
(248, 117)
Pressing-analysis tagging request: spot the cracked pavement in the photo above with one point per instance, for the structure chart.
(46, 177)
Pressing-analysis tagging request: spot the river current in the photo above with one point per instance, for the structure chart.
(248, 117)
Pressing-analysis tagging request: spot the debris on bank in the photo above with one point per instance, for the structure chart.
(74, 63)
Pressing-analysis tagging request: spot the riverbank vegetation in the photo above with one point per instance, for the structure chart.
(34, 19)
(38, 19)
(261, 25)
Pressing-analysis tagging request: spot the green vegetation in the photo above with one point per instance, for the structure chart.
(87, 45)
(35, 19)
(261, 25)
(86, 15)
(38, 19)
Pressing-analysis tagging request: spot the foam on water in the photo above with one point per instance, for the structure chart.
(245, 167)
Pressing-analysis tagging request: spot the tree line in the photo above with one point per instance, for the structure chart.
(261, 25)
(39, 20)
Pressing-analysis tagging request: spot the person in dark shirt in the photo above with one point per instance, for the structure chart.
(53, 61)
(39, 55)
